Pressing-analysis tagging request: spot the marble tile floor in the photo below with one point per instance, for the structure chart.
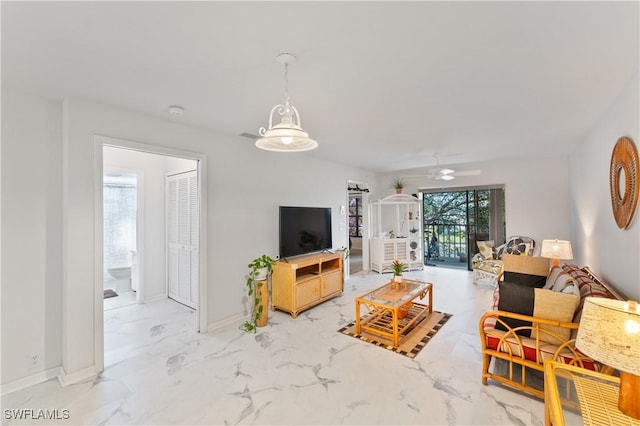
(125, 298)
(292, 372)
(355, 261)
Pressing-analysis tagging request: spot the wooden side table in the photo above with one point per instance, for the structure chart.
(582, 394)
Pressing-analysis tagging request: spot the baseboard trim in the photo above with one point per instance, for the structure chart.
(217, 325)
(69, 379)
(155, 298)
(34, 379)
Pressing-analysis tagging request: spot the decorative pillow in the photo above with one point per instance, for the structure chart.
(491, 321)
(572, 289)
(539, 303)
(586, 285)
(518, 247)
(553, 276)
(528, 280)
(486, 248)
(558, 280)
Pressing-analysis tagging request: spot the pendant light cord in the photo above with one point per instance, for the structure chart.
(286, 82)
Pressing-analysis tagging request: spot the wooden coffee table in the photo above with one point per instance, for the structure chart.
(392, 308)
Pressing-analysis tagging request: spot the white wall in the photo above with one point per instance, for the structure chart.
(245, 188)
(31, 234)
(154, 169)
(536, 193)
(597, 241)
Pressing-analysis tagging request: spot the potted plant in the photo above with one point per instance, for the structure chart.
(345, 252)
(259, 270)
(398, 268)
(398, 185)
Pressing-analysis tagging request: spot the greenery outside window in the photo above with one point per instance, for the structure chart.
(454, 220)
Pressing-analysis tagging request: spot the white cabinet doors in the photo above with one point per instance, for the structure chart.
(182, 238)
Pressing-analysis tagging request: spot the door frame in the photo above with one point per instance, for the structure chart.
(365, 224)
(201, 159)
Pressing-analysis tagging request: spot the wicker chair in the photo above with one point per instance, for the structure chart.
(488, 271)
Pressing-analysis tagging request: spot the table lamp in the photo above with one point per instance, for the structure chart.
(609, 332)
(556, 250)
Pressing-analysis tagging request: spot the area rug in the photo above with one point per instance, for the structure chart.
(411, 342)
(110, 293)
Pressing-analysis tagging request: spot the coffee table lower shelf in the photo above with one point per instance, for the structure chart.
(381, 323)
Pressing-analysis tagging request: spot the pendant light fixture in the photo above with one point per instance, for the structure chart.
(287, 136)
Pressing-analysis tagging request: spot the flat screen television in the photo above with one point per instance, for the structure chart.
(304, 230)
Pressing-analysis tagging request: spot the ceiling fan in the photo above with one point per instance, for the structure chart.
(445, 173)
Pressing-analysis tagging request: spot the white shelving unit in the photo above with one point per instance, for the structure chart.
(391, 220)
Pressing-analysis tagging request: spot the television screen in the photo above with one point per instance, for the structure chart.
(304, 230)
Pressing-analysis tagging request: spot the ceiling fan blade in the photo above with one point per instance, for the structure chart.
(427, 175)
(445, 177)
(468, 173)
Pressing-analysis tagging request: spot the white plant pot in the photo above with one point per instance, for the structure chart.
(261, 274)
(398, 278)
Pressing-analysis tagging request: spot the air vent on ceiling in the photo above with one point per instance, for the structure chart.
(249, 135)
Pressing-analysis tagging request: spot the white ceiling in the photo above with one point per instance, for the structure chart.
(380, 85)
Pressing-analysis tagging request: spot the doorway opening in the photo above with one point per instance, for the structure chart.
(357, 201)
(454, 220)
(133, 177)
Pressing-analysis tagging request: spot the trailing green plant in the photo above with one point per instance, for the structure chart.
(345, 252)
(262, 262)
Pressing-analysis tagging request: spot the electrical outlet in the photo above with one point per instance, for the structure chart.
(33, 361)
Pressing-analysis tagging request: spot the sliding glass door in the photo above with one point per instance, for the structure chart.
(455, 219)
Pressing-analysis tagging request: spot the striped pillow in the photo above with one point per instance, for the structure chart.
(587, 286)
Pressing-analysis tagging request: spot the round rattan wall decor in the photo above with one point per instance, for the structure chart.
(623, 181)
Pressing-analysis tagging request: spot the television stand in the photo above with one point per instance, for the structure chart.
(306, 281)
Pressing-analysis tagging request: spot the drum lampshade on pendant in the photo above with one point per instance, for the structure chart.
(288, 135)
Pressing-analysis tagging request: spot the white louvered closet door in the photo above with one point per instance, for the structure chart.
(182, 238)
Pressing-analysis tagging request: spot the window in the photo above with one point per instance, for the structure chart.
(355, 216)
(120, 210)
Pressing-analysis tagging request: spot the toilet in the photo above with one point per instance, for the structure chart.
(120, 273)
(121, 279)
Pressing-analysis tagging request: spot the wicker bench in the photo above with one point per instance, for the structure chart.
(526, 347)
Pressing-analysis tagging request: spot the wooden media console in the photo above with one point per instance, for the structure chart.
(306, 281)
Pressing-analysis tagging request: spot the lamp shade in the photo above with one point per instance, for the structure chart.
(288, 135)
(609, 332)
(556, 249)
